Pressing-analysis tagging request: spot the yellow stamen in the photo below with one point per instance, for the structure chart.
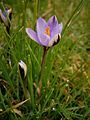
(47, 31)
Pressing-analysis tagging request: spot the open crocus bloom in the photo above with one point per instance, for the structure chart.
(47, 33)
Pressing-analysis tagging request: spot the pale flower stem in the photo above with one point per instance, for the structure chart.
(45, 49)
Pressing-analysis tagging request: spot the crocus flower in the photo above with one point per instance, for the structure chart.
(4, 18)
(47, 33)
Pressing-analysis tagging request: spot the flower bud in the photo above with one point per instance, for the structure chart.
(22, 69)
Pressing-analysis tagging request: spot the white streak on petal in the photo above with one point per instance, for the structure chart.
(53, 40)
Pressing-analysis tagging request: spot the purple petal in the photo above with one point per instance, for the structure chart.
(43, 39)
(52, 22)
(55, 31)
(32, 34)
(60, 28)
(41, 25)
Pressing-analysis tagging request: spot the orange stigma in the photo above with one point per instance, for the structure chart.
(47, 31)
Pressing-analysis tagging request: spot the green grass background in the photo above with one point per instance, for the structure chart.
(65, 93)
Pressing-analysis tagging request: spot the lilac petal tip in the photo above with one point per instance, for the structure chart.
(52, 22)
(60, 27)
(32, 34)
(41, 25)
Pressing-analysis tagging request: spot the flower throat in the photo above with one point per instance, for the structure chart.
(47, 31)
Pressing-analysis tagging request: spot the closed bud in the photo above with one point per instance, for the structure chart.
(6, 17)
(22, 69)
